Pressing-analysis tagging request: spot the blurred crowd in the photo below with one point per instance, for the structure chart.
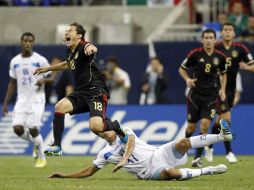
(238, 12)
(42, 2)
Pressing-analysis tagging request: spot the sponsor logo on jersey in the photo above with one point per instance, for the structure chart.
(216, 61)
(201, 60)
(234, 53)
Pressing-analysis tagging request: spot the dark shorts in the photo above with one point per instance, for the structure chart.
(200, 106)
(227, 104)
(91, 100)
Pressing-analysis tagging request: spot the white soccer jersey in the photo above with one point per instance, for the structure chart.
(138, 163)
(22, 69)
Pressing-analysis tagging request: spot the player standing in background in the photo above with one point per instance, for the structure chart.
(149, 162)
(90, 93)
(201, 103)
(30, 103)
(235, 53)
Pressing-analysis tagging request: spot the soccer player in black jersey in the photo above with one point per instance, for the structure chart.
(90, 93)
(201, 102)
(235, 53)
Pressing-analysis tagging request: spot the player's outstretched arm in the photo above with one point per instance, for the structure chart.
(89, 171)
(58, 67)
(130, 145)
(12, 86)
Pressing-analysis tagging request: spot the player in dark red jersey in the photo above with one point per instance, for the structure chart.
(235, 53)
(201, 105)
(90, 93)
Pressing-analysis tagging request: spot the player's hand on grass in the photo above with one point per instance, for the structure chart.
(191, 82)
(119, 166)
(57, 175)
(41, 70)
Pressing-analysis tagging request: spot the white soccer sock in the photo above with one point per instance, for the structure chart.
(205, 140)
(188, 173)
(38, 141)
(27, 137)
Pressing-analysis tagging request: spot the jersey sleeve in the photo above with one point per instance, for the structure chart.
(246, 55)
(12, 72)
(189, 60)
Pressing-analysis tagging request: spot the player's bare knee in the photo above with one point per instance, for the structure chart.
(168, 174)
(59, 107)
(183, 145)
(19, 130)
(34, 132)
(191, 128)
(96, 124)
(204, 127)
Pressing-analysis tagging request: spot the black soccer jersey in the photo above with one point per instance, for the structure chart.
(234, 55)
(205, 69)
(84, 69)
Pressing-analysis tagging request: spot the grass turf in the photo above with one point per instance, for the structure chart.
(18, 173)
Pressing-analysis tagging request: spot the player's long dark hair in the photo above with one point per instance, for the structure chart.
(80, 30)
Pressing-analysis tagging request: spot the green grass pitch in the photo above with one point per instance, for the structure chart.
(18, 173)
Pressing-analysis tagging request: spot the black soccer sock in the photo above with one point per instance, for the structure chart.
(113, 126)
(199, 152)
(215, 130)
(227, 146)
(58, 128)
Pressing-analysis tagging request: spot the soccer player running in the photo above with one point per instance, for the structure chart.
(235, 53)
(149, 162)
(30, 103)
(201, 102)
(90, 93)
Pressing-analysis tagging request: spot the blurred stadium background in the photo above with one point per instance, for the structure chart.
(133, 31)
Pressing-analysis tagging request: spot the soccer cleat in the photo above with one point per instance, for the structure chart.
(197, 163)
(120, 132)
(53, 150)
(219, 169)
(208, 154)
(231, 158)
(40, 163)
(224, 130)
(35, 152)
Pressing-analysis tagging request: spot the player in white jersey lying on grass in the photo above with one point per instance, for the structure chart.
(148, 162)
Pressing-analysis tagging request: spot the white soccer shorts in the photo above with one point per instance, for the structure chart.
(28, 114)
(166, 157)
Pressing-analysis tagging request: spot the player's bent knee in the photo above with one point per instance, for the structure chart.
(169, 174)
(183, 145)
(19, 130)
(63, 106)
(96, 124)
